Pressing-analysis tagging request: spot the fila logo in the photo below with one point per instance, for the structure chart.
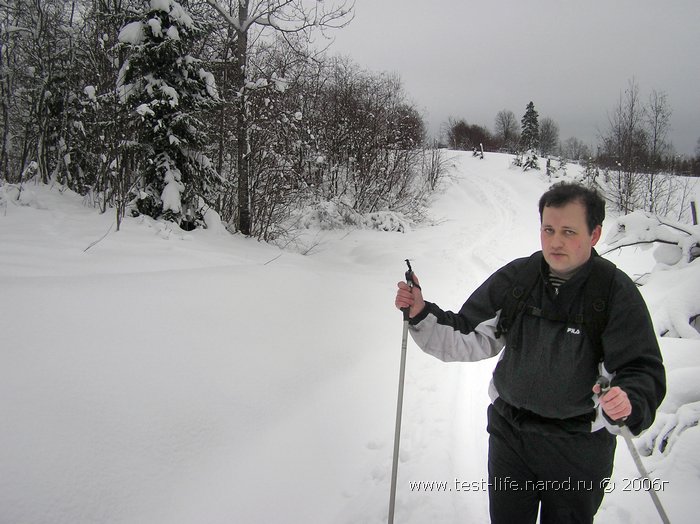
(573, 331)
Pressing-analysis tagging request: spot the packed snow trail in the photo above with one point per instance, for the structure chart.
(179, 378)
(477, 228)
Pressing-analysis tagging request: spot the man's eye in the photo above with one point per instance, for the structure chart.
(569, 232)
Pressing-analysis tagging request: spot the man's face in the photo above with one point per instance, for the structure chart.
(566, 242)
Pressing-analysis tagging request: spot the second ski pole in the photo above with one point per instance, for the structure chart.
(604, 384)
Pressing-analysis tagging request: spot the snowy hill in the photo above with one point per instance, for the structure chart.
(185, 378)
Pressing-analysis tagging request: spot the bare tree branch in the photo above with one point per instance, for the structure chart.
(637, 243)
(227, 16)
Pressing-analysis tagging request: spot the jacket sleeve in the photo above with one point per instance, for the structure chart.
(438, 334)
(470, 334)
(632, 354)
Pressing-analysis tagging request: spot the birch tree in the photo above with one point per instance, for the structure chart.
(506, 128)
(549, 136)
(624, 146)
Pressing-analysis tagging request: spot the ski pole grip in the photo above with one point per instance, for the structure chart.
(604, 384)
(409, 274)
(409, 281)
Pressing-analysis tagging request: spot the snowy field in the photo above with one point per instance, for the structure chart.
(164, 377)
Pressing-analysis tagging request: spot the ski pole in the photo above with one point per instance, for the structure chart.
(604, 384)
(399, 402)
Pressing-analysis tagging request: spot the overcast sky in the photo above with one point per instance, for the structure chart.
(572, 58)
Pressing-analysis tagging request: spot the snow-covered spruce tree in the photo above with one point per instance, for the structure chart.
(530, 137)
(166, 88)
(530, 128)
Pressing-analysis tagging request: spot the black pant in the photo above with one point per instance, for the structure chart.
(564, 473)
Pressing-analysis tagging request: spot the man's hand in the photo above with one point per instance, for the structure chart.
(410, 297)
(614, 402)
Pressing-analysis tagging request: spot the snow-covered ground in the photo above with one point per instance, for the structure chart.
(186, 378)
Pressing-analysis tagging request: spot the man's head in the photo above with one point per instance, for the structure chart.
(566, 192)
(571, 218)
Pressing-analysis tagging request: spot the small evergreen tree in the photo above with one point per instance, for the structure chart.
(530, 134)
(166, 88)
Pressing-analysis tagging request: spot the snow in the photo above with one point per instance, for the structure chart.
(156, 27)
(209, 83)
(171, 93)
(172, 377)
(124, 90)
(132, 33)
(673, 287)
(145, 110)
(173, 33)
(175, 10)
(90, 92)
(673, 299)
(281, 83)
(172, 191)
(160, 5)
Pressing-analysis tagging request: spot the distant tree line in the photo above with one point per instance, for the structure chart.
(171, 109)
(634, 162)
(636, 138)
(637, 158)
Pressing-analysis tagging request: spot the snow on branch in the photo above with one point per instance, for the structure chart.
(641, 227)
(227, 16)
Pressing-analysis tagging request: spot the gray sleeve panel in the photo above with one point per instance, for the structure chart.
(452, 345)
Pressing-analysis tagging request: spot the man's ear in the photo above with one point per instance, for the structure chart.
(595, 236)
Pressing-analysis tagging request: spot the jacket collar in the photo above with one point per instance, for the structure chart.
(577, 279)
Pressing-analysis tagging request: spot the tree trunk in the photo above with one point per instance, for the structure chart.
(244, 225)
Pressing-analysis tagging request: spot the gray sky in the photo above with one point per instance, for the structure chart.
(572, 58)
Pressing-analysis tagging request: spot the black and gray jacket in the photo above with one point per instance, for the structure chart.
(547, 368)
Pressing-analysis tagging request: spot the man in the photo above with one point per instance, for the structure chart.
(550, 445)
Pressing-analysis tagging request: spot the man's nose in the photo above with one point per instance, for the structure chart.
(558, 239)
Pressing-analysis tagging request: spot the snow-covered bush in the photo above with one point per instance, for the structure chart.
(556, 168)
(672, 292)
(327, 215)
(673, 284)
(678, 244)
(387, 221)
(527, 160)
(679, 411)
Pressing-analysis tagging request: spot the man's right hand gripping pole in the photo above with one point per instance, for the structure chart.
(409, 297)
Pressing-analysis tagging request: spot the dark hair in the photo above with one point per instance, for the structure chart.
(564, 193)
